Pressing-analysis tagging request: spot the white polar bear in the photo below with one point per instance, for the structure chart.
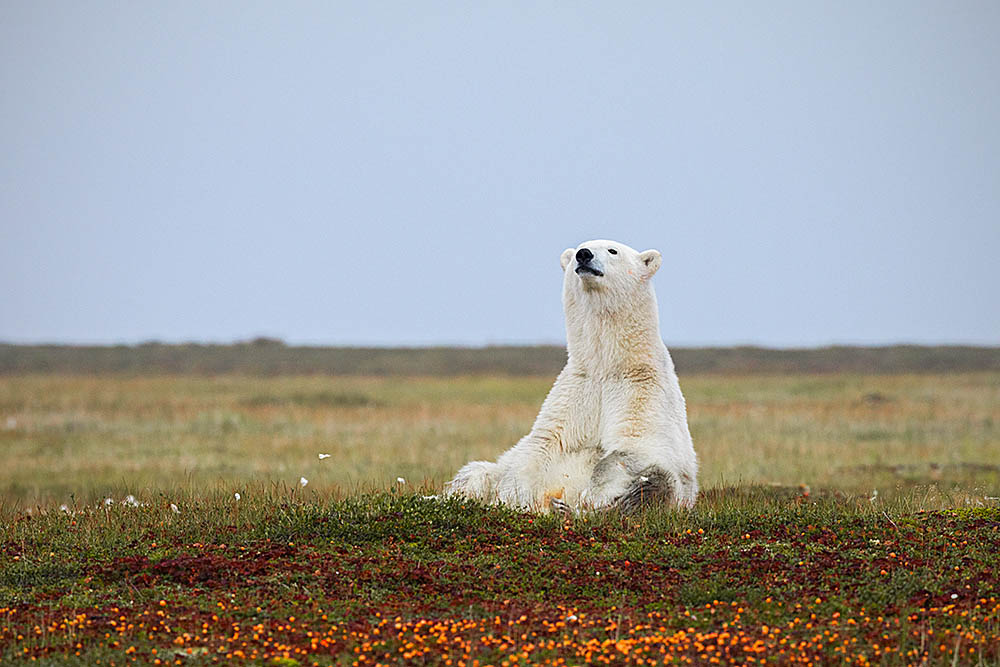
(613, 430)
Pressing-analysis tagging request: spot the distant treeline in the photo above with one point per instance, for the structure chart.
(272, 357)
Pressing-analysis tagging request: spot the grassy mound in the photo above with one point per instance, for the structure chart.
(753, 574)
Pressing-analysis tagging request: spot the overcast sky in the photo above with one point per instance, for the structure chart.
(409, 172)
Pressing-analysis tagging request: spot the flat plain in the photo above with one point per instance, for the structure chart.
(84, 438)
(844, 519)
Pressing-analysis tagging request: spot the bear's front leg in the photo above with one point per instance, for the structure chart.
(561, 507)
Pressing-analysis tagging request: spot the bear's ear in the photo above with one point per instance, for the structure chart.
(651, 259)
(566, 257)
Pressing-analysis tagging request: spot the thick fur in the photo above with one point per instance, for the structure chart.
(613, 430)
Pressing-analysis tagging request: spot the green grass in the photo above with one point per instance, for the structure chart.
(751, 572)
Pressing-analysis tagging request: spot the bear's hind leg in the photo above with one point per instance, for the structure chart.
(477, 480)
(620, 480)
(653, 486)
(611, 478)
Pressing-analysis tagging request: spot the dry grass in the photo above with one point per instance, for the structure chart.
(89, 437)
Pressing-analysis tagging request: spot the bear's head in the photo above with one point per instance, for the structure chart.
(608, 270)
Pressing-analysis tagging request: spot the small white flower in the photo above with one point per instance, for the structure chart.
(64, 508)
(874, 496)
(174, 509)
(429, 497)
(324, 456)
(643, 478)
(108, 502)
(400, 480)
(237, 495)
(130, 501)
(571, 617)
(303, 481)
(954, 596)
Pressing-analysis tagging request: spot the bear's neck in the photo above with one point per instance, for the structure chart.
(614, 339)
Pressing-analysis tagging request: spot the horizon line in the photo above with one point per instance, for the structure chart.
(279, 342)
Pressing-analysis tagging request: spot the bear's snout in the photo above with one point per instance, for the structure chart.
(583, 265)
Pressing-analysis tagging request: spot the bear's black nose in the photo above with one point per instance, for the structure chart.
(583, 255)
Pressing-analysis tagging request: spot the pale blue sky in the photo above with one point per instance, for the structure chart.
(409, 172)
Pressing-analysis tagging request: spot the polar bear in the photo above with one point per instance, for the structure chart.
(613, 430)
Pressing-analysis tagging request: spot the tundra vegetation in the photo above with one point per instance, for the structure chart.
(845, 518)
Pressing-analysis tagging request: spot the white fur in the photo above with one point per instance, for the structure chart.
(617, 400)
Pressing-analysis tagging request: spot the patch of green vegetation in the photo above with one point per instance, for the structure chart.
(23, 575)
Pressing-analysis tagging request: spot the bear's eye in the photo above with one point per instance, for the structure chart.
(612, 251)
